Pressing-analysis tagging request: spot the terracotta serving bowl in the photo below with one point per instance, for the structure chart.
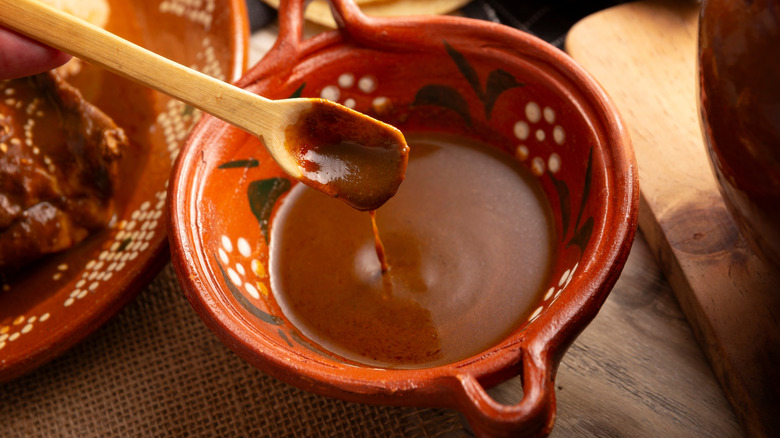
(443, 74)
(55, 302)
(739, 93)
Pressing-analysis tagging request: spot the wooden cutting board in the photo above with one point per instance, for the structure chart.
(644, 54)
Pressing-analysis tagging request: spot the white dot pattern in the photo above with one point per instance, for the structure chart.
(554, 292)
(522, 130)
(345, 84)
(532, 112)
(240, 276)
(522, 152)
(331, 92)
(252, 291)
(367, 84)
(549, 115)
(380, 104)
(243, 247)
(346, 80)
(541, 132)
(537, 166)
(554, 163)
(127, 245)
(199, 11)
(21, 325)
(559, 135)
(227, 245)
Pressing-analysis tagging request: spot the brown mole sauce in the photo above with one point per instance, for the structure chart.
(348, 155)
(468, 240)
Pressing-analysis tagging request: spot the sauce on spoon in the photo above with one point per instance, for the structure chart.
(348, 155)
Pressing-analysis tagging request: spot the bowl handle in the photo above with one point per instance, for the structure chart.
(291, 20)
(284, 53)
(375, 31)
(533, 416)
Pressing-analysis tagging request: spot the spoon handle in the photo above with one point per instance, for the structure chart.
(97, 46)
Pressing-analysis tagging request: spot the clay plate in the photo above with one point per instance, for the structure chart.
(50, 306)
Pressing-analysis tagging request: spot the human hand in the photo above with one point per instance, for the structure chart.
(21, 56)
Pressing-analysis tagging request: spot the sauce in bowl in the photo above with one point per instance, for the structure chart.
(468, 241)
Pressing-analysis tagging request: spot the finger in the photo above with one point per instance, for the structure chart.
(21, 56)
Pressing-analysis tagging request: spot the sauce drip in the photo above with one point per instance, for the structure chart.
(348, 155)
(380, 248)
(468, 241)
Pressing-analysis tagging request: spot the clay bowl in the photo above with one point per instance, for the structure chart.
(738, 92)
(57, 301)
(444, 74)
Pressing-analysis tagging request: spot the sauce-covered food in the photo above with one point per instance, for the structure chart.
(347, 155)
(468, 241)
(59, 158)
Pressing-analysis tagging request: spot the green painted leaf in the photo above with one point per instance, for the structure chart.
(565, 201)
(254, 310)
(188, 110)
(283, 335)
(263, 195)
(466, 69)
(582, 235)
(251, 162)
(586, 187)
(444, 96)
(297, 93)
(498, 81)
(125, 242)
(312, 347)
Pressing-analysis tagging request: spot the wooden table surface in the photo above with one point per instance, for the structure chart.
(637, 370)
(645, 55)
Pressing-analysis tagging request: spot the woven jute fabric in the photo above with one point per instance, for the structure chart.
(156, 370)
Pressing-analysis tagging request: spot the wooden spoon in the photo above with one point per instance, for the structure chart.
(320, 143)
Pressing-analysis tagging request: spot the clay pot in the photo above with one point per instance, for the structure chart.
(739, 86)
(444, 74)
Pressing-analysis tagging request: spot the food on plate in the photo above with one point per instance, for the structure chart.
(59, 158)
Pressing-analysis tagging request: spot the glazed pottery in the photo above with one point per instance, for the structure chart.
(739, 86)
(54, 303)
(422, 74)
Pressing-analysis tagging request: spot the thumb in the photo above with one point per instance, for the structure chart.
(21, 56)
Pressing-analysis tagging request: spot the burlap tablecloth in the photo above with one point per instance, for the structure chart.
(156, 370)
